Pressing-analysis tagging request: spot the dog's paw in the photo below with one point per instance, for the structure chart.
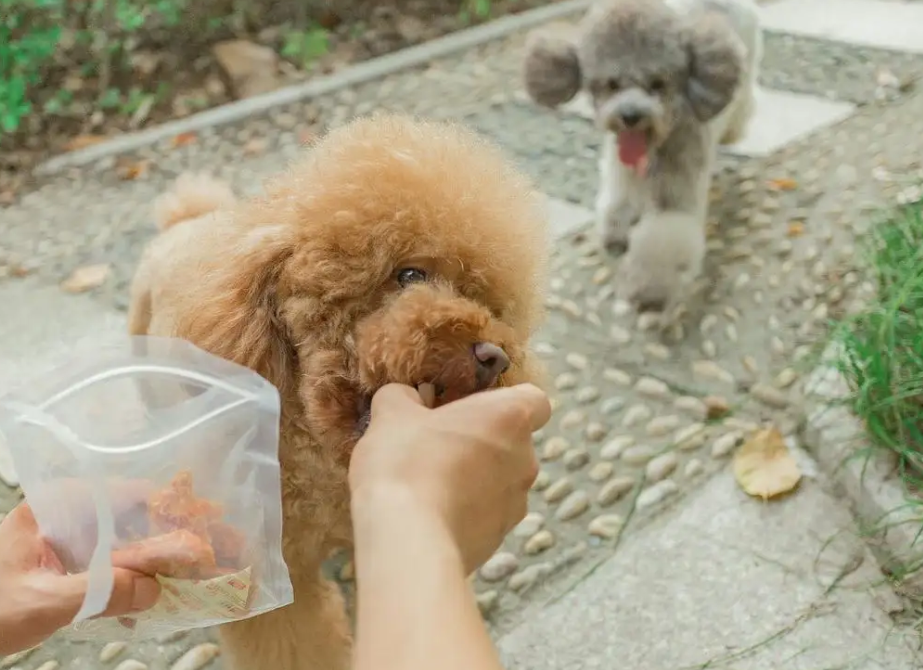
(613, 225)
(664, 259)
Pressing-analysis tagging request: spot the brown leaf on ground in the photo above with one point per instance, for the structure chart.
(86, 278)
(795, 229)
(764, 467)
(83, 141)
(133, 170)
(783, 184)
(184, 140)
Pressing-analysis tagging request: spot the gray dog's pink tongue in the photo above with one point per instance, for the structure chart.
(633, 150)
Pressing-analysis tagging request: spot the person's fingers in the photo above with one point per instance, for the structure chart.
(391, 397)
(19, 536)
(60, 597)
(527, 399)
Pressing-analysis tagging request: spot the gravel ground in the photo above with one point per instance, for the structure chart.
(632, 429)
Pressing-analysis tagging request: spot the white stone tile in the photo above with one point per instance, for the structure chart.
(566, 217)
(873, 23)
(781, 118)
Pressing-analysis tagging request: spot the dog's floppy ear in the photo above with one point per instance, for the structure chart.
(716, 63)
(551, 69)
(231, 309)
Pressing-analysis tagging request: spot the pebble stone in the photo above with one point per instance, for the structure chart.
(658, 351)
(573, 506)
(691, 405)
(716, 406)
(565, 381)
(577, 361)
(786, 378)
(606, 526)
(487, 601)
(636, 414)
(661, 425)
(769, 396)
(542, 481)
(197, 657)
(596, 431)
(617, 376)
(711, 370)
(559, 490)
(131, 664)
(601, 471)
(613, 490)
(652, 388)
(576, 458)
(529, 576)
(611, 405)
(693, 468)
(725, 444)
(573, 418)
(656, 493)
(49, 665)
(619, 335)
(554, 448)
(614, 447)
(639, 454)
(541, 541)
(587, 394)
(111, 650)
(530, 525)
(661, 467)
(499, 566)
(690, 437)
(12, 659)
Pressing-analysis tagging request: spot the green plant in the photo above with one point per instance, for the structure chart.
(306, 46)
(478, 9)
(29, 35)
(881, 347)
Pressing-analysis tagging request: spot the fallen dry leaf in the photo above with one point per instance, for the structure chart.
(134, 170)
(783, 184)
(83, 141)
(763, 466)
(86, 278)
(184, 139)
(795, 229)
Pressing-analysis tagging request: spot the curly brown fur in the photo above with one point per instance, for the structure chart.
(668, 80)
(302, 286)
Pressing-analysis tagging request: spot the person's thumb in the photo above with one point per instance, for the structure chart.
(132, 592)
(394, 396)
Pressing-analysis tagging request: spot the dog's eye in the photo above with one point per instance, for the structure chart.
(658, 84)
(613, 85)
(409, 276)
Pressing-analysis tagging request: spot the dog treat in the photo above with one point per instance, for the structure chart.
(187, 538)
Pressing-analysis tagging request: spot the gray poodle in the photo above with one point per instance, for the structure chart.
(670, 80)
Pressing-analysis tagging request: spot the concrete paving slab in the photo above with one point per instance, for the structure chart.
(886, 25)
(781, 118)
(41, 325)
(566, 217)
(725, 581)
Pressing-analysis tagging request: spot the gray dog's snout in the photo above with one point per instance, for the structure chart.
(631, 118)
(492, 362)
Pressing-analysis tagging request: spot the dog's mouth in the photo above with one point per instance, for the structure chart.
(433, 395)
(633, 149)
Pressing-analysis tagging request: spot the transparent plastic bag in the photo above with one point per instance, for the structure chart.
(151, 452)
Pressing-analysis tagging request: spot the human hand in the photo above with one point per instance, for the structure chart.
(468, 464)
(37, 596)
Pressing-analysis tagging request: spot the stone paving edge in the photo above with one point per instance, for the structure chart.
(351, 76)
(866, 474)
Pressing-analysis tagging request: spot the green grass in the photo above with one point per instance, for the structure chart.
(882, 346)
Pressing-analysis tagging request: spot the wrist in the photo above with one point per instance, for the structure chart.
(390, 517)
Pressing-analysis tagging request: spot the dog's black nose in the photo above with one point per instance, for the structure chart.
(492, 362)
(631, 118)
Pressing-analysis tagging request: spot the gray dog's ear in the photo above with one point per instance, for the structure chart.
(716, 57)
(551, 69)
